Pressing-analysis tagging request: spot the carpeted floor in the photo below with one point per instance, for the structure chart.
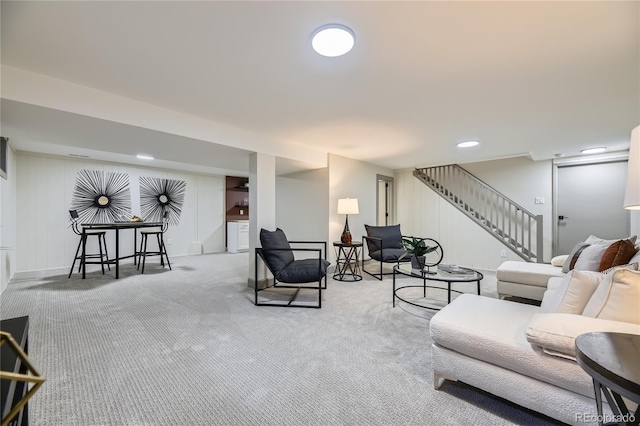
(188, 347)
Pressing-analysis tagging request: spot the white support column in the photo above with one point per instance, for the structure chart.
(262, 202)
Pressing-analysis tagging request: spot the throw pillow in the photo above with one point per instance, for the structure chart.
(556, 333)
(618, 253)
(590, 258)
(617, 297)
(389, 237)
(633, 266)
(276, 259)
(573, 293)
(573, 256)
(600, 241)
(559, 260)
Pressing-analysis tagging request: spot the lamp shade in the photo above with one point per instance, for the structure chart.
(348, 206)
(632, 193)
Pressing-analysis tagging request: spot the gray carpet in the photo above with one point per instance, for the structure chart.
(188, 347)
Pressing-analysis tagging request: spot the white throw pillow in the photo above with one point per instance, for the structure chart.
(559, 260)
(617, 297)
(595, 240)
(558, 332)
(590, 258)
(573, 293)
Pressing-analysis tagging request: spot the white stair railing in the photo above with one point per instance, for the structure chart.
(513, 225)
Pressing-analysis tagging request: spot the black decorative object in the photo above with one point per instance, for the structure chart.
(158, 196)
(101, 197)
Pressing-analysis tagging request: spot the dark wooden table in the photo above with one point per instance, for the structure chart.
(117, 226)
(613, 361)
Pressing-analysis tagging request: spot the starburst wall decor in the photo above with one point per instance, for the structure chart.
(161, 195)
(101, 197)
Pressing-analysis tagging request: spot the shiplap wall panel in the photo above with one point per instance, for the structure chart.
(422, 212)
(57, 214)
(211, 219)
(44, 190)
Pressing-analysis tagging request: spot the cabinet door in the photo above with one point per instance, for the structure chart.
(243, 236)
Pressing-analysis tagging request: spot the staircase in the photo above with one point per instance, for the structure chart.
(509, 222)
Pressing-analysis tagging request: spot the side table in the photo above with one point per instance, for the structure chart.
(611, 359)
(13, 391)
(347, 265)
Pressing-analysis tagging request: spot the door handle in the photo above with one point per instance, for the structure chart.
(561, 217)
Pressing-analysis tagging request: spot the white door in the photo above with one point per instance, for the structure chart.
(589, 202)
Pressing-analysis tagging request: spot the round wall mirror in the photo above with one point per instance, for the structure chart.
(163, 199)
(102, 201)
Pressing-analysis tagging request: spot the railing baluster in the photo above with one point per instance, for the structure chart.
(502, 217)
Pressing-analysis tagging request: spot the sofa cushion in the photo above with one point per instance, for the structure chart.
(573, 293)
(618, 253)
(556, 333)
(493, 331)
(304, 271)
(617, 297)
(536, 274)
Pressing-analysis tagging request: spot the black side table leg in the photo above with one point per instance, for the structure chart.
(393, 293)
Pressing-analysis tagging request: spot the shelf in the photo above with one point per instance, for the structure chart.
(237, 189)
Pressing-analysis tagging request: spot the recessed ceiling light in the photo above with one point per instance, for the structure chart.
(467, 144)
(333, 40)
(593, 150)
(144, 157)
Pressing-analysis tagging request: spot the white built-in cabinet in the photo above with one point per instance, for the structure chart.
(237, 236)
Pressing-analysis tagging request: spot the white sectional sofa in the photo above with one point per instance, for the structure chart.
(524, 279)
(529, 280)
(505, 347)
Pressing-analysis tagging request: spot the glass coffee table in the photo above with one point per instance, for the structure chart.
(435, 275)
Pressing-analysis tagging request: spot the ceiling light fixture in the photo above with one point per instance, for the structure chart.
(594, 150)
(333, 40)
(467, 144)
(144, 157)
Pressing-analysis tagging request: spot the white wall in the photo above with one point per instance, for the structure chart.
(635, 222)
(522, 180)
(350, 178)
(44, 190)
(301, 205)
(422, 212)
(8, 221)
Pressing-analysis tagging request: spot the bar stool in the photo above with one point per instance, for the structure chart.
(162, 250)
(102, 242)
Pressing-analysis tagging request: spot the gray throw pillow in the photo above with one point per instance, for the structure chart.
(390, 235)
(277, 260)
(573, 256)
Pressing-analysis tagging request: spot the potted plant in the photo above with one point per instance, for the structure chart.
(418, 248)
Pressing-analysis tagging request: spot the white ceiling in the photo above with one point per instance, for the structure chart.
(524, 78)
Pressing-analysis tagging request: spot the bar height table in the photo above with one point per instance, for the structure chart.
(117, 226)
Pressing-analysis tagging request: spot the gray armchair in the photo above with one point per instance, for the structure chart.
(303, 274)
(384, 244)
